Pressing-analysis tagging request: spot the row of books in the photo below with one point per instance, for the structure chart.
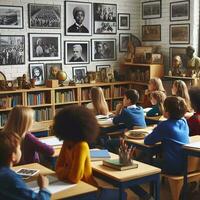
(8, 101)
(36, 98)
(106, 92)
(65, 96)
(43, 114)
(3, 119)
(119, 91)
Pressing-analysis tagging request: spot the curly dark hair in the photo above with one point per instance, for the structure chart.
(133, 95)
(194, 93)
(75, 123)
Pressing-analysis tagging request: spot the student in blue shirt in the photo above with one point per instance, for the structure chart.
(12, 187)
(173, 134)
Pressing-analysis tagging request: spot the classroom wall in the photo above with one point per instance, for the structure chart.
(123, 6)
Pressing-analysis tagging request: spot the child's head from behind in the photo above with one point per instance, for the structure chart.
(175, 107)
(75, 123)
(10, 152)
(131, 97)
(180, 89)
(194, 93)
(157, 97)
(155, 84)
(97, 94)
(20, 120)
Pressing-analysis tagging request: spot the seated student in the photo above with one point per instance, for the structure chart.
(20, 120)
(155, 84)
(11, 185)
(194, 120)
(173, 133)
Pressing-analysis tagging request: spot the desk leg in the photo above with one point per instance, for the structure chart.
(185, 188)
(122, 194)
(157, 188)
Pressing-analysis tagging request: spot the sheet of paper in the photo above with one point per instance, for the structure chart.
(54, 185)
(52, 141)
(194, 145)
(106, 121)
(146, 109)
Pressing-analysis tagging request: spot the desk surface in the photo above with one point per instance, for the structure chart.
(79, 189)
(156, 118)
(195, 138)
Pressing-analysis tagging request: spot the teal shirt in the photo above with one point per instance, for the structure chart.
(155, 111)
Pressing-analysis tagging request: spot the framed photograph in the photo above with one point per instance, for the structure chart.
(151, 33)
(77, 52)
(44, 46)
(36, 71)
(12, 49)
(179, 34)
(124, 38)
(156, 58)
(151, 9)
(44, 16)
(11, 17)
(52, 69)
(123, 21)
(103, 49)
(180, 11)
(105, 18)
(79, 73)
(78, 18)
(178, 51)
(99, 67)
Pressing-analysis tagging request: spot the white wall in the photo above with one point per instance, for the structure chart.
(123, 6)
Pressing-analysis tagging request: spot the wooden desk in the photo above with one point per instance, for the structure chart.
(156, 118)
(81, 190)
(125, 179)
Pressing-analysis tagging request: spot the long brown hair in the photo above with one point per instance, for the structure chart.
(157, 84)
(99, 102)
(160, 98)
(20, 120)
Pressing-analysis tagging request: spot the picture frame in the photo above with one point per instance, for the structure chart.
(38, 19)
(156, 58)
(11, 17)
(180, 11)
(124, 39)
(52, 69)
(37, 72)
(98, 67)
(74, 8)
(180, 51)
(77, 52)
(16, 56)
(123, 21)
(151, 32)
(151, 9)
(79, 73)
(105, 18)
(179, 34)
(44, 46)
(103, 49)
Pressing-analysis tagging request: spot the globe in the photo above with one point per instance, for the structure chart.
(61, 76)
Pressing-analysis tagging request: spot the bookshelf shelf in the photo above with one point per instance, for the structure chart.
(65, 103)
(40, 105)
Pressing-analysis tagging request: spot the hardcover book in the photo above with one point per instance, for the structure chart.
(99, 154)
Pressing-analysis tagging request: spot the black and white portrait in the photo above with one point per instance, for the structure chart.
(12, 50)
(37, 72)
(103, 49)
(44, 16)
(76, 52)
(44, 46)
(124, 39)
(79, 73)
(78, 18)
(99, 67)
(123, 21)
(11, 17)
(151, 9)
(52, 69)
(180, 11)
(105, 18)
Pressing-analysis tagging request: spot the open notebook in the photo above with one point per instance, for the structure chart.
(52, 141)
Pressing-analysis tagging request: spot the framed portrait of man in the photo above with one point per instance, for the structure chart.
(77, 52)
(79, 73)
(37, 72)
(78, 19)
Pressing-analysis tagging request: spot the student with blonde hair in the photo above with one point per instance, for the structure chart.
(20, 120)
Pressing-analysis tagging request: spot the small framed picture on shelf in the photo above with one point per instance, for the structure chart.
(46, 16)
(77, 52)
(37, 72)
(151, 33)
(79, 73)
(12, 49)
(52, 69)
(11, 17)
(180, 11)
(123, 21)
(124, 39)
(151, 9)
(78, 18)
(103, 49)
(98, 67)
(105, 18)
(179, 34)
(44, 46)
(156, 58)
